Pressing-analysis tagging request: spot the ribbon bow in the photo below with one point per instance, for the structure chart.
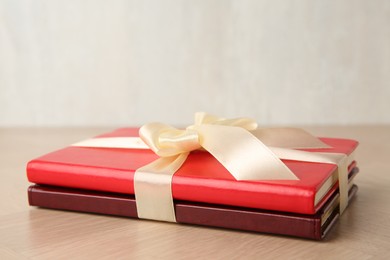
(167, 141)
(230, 141)
(247, 152)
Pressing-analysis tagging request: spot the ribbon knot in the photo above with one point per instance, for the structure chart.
(168, 141)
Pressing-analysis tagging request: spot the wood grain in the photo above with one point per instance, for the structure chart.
(31, 233)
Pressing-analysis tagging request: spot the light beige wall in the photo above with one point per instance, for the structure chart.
(130, 62)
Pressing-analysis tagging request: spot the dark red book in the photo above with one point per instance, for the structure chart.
(265, 221)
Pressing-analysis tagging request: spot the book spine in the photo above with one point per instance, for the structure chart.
(191, 189)
(264, 222)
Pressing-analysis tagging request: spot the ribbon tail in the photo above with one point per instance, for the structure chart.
(341, 160)
(342, 171)
(242, 154)
(152, 188)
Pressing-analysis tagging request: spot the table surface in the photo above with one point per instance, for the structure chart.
(26, 232)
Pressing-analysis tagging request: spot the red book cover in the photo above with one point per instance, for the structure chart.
(201, 178)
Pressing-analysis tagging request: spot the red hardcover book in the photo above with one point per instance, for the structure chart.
(201, 178)
(314, 226)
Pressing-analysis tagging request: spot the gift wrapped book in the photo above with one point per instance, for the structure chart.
(218, 172)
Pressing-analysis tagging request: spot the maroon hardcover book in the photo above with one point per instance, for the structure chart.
(291, 224)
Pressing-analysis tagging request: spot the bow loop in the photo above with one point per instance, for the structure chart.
(168, 141)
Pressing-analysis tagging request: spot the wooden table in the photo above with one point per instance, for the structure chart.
(27, 232)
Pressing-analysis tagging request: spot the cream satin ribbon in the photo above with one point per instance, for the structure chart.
(247, 152)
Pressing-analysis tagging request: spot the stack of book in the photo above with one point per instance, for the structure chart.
(100, 180)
